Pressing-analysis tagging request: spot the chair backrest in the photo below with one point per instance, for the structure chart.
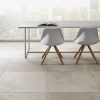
(87, 36)
(52, 36)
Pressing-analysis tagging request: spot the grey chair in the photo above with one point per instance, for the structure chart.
(52, 37)
(86, 37)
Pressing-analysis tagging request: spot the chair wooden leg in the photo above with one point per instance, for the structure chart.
(59, 55)
(45, 55)
(80, 54)
(59, 52)
(93, 54)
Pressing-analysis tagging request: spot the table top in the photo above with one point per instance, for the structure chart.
(63, 24)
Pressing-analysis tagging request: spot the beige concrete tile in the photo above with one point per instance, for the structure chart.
(93, 67)
(2, 68)
(71, 82)
(67, 67)
(72, 67)
(11, 53)
(3, 64)
(96, 75)
(1, 74)
(23, 82)
(18, 59)
(25, 66)
(74, 96)
(22, 96)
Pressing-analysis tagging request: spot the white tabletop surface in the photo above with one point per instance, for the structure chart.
(64, 24)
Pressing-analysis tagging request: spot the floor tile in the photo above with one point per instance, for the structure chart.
(2, 68)
(67, 67)
(1, 74)
(22, 96)
(73, 67)
(23, 82)
(27, 79)
(71, 82)
(74, 96)
(3, 64)
(96, 75)
(25, 66)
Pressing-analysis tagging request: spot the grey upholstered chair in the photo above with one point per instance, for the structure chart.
(86, 37)
(52, 37)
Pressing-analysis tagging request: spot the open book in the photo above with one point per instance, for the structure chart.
(48, 24)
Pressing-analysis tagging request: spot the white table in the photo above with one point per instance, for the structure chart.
(61, 24)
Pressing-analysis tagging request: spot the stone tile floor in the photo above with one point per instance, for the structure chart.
(26, 79)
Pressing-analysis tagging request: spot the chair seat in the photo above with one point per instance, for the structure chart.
(87, 36)
(52, 37)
